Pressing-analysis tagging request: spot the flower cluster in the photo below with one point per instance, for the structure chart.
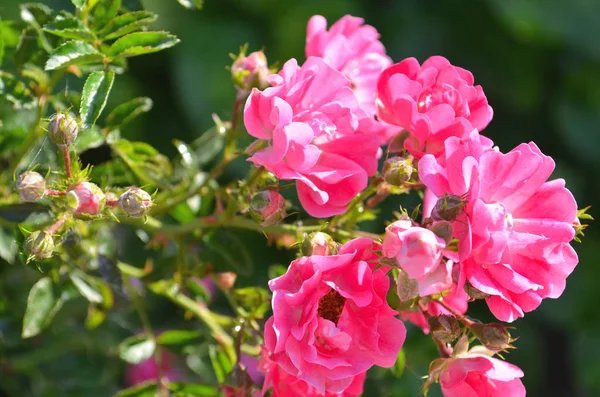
(493, 226)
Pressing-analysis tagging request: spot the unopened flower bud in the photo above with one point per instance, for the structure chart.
(135, 202)
(442, 229)
(267, 207)
(226, 280)
(319, 243)
(250, 71)
(448, 208)
(39, 245)
(31, 186)
(493, 336)
(444, 328)
(473, 292)
(85, 198)
(62, 130)
(397, 170)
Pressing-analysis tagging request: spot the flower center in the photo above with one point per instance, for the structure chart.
(331, 306)
(443, 93)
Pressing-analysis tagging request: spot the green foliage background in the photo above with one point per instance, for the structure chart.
(539, 64)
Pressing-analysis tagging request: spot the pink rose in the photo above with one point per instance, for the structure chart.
(147, 370)
(514, 228)
(419, 253)
(478, 375)
(355, 50)
(331, 321)
(309, 119)
(286, 385)
(432, 101)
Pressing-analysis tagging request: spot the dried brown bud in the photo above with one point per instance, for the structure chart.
(448, 208)
(444, 328)
(442, 229)
(494, 336)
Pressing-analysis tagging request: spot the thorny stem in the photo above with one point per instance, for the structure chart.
(67, 157)
(52, 192)
(469, 323)
(139, 308)
(57, 225)
(444, 350)
(210, 319)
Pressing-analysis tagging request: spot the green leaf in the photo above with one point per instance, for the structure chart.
(36, 14)
(85, 289)
(27, 46)
(79, 3)
(127, 23)
(178, 337)
(40, 304)
(93, 289)
(221, 363)
(254, 300)
(147, 389)
(73, 53)
(91, 138)
(136, 349)
(69, 28)
(192, 390)
(141, 43)
(146, 163)
(105, 11)
(226, 252)
(398, 368)
(94, 95)
(192, 4)
(127, 111)
(8, 246)
(209, 145)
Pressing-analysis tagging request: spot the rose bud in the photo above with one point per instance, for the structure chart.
(267, 207)
(31, 186)
(448, 208)
(62, 130)
(39, 245)
(226, 280)
(86, 198)
(250, 71)
(319, 243)
(135, 202)
(397, 170)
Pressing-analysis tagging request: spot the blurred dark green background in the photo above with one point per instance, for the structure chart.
(539, 64)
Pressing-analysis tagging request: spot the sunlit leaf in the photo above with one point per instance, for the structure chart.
(140, 43)
(127, 23)
(40, 304)
(94, 96)
(136, 349)
(73, 53)
(127, 111)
